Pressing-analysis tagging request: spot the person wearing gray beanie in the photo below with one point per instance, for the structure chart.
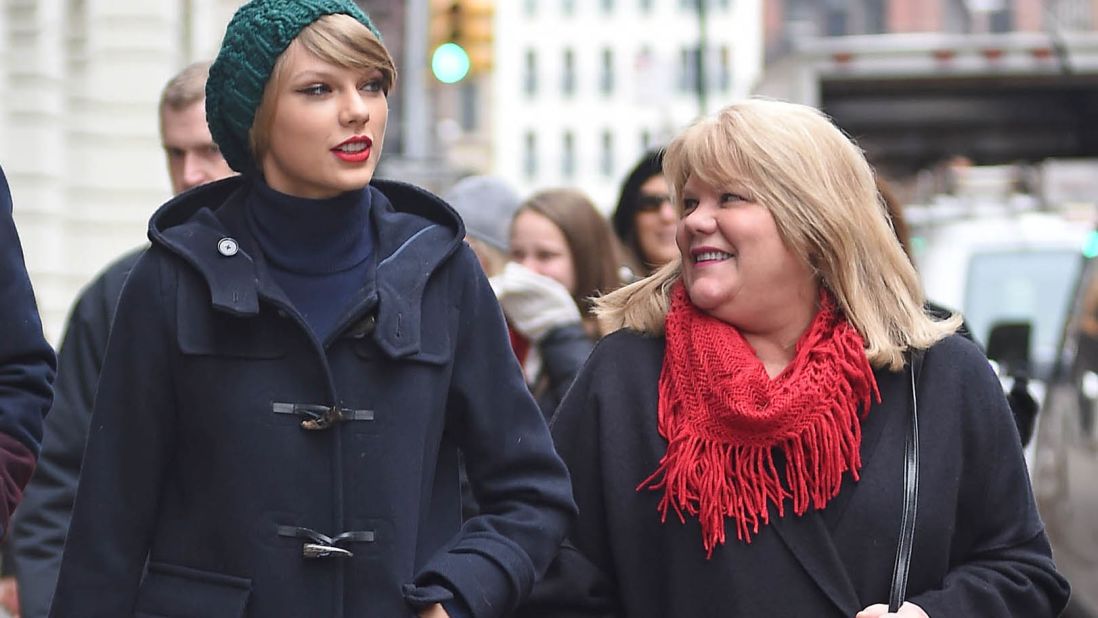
(300, 364)
(486, 204)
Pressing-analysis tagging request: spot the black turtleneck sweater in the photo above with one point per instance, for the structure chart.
(316, 249)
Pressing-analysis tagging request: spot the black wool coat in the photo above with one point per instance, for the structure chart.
(980, 547)
(27, 366)
(261, 473)
(40, 524)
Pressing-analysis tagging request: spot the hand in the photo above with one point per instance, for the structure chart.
(434, 611)
(880, 610)
(534, 304)
(9, 596)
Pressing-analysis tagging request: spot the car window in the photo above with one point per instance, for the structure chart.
(1033, 286)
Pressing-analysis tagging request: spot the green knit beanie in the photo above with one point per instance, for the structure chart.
(256, 36)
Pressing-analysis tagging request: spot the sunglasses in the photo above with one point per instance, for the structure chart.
(648, 202)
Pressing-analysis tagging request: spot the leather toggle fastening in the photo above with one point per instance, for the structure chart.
(363, 327)
(324, 546)
(317, 416)
(314, 550)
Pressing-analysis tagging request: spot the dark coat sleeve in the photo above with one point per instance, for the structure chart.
(27, 366)
(129, 445)
(517, 478)
(1001, 563)
(578, 583)
(564, 350)
(42, 521)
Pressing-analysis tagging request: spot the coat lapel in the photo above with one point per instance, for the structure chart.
(811, 537)
(873, 427)
(808, 538)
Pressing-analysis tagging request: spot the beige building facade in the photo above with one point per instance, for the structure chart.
(78, 126)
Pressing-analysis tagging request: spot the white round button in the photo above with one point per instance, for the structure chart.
(227, 247)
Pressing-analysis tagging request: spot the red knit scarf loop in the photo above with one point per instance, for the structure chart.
(724, 419)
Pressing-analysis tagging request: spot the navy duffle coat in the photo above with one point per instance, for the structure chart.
(236, 466)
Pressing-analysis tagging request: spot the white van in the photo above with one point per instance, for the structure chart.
(1005, 268)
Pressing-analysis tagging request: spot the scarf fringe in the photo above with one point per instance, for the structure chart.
(737, 477)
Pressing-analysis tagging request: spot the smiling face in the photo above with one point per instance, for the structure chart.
(539, 245)
(655, 222)
(326, 126)
(736, 267)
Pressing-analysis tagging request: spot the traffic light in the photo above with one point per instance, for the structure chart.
(461, 38)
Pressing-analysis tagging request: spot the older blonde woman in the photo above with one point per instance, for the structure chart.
(737, 445)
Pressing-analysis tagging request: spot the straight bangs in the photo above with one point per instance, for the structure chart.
(337, 39)
(346, 42)
(710, 152)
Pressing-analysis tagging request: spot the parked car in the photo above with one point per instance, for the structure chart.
(1065, 457)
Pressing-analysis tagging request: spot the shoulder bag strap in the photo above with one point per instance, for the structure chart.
(902, 566)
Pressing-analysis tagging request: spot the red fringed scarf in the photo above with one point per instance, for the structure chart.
(723, 418)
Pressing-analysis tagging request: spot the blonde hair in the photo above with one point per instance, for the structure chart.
(821, 192)
(186, 88)
(336, 39)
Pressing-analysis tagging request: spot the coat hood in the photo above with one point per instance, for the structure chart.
(206, 227)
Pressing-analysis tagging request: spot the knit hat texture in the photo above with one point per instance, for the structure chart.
(486, 204)
(256, 36)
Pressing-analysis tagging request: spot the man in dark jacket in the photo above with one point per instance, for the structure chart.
(39, 529)
(27, 366)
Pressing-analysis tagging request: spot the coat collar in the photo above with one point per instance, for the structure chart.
(410, 224)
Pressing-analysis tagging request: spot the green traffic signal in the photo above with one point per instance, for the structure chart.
(450, 63)
(1090, 249)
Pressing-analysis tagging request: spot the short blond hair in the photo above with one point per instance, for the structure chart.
(820, 189)
(337, 39)
(186, 88)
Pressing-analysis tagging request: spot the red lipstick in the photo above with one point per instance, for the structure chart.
(355, 149)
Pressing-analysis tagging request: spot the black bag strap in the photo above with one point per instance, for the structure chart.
(902, 566)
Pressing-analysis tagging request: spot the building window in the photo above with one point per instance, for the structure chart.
(688, 69)
(568, 155)
(1001, 20)
(606, 156)
(530, 155)
(874, 16)
(568, 73)
(835, 16)
(956, 19)
(724, 69)
(606, 72)
(530, 76)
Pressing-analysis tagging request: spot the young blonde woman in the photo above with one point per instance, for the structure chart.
(296, 363)
(737, 446)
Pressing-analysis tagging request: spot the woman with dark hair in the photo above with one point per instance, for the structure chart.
(645, 218)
